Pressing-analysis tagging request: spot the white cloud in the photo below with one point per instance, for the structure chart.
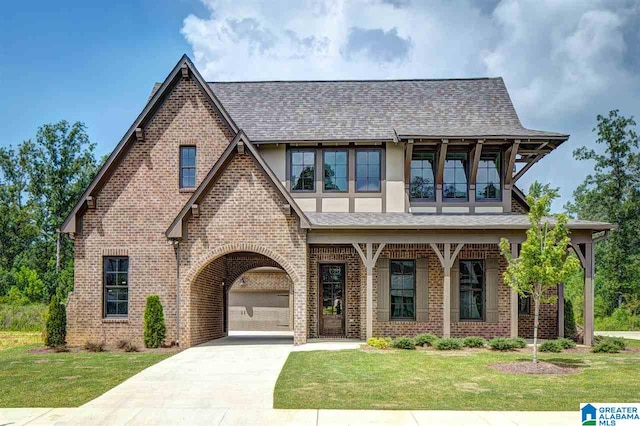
(564, 61)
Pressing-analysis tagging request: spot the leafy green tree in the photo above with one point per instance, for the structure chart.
(543, 260)
(29, 284)
(154, 328)
(612, 194)
(56, 327)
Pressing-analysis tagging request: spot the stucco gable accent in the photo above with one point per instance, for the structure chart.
(184, 66)
(239, 144)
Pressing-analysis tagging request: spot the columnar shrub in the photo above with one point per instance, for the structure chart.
(570, 329)
(154, 329)
(551, 346)
(474, 342)
(448, 344)
(56, 325)
(426, 339)
(403, 343)
(379, 342)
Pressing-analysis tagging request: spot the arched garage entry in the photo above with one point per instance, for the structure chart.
(207, 307)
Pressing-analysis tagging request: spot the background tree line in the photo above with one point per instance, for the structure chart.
(41, 179)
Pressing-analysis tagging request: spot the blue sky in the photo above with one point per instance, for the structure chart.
(96, 62)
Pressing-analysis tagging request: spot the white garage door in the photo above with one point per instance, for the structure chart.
(259, 311)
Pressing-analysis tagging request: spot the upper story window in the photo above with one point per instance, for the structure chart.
(488, 177)
(187, 167)
(423, 182)
(368, 170)
(116, 286)
(471, 289)
(335, 170)
(303, 170)
(455, 180)
(403, 289)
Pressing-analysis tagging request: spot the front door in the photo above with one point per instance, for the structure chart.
(332, 299)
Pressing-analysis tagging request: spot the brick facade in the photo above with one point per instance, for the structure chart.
(548, 327)
(263, 281)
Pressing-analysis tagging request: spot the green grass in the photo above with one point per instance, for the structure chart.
(61, 379)
(23, 318)
(458, 380)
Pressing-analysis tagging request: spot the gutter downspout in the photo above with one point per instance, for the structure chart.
(176, 247)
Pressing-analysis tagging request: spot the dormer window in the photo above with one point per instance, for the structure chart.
(488, 177)
(423, 182)
(455, 182)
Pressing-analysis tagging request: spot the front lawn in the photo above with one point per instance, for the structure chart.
(29, 378)
(456, 380)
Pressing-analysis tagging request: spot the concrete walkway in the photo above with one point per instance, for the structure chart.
(635, 335)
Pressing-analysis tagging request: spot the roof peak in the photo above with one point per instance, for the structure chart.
(390, 80)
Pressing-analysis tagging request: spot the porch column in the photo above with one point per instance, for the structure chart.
(514, 299)
(561, 310)
(446, 260)
(369, 260)
(588, 294)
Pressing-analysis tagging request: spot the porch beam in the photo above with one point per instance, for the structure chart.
(446, 260)
(514, 299)
(588, 295)
(369, 260)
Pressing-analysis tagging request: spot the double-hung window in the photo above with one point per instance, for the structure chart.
(116, 286)
(454, 185)
(187, 167)
(524, 305)
(403, 289)
(488, 177)
(368, 170)
(423, 182)
(472, 289)
(335, 166)
(303, 170)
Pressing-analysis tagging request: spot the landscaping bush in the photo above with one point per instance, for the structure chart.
(622, 319)
(507, 343)
(94, 346)
(474, 342)
(130, 347)
(606, 346)
(425, 339)
(379, 342)
(154, 328)
(23, 318)
(570, 329)
(567, 343)
(614, 341)
(56, 327)
(122, 344)
(61, 348)
(551, 346)
(403, 343)
(448, 344)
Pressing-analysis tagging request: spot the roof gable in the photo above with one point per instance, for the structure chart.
(239, 143)
(184, 68)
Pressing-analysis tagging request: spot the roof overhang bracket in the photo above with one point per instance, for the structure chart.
(185, 71)
(512, 152)
(139, 134)
(475, 155)
(91, 202)
(286, 209)
(240, 147)
(195, 210)
(442, 154)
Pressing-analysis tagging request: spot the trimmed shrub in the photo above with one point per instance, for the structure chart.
(474, 342)
(551, 346)
(94, 346)
(379, 342)
(154, 328)
(507, 343)
(426, 339)
(130, 347)
(403, 343)
(614, 341)
(606, 346)
(23, 317)
(448, 344)
(56, 326)
(567, 343)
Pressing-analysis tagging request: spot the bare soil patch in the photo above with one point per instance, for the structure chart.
(528, 367)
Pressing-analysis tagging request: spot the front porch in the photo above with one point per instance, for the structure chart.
(483, 306)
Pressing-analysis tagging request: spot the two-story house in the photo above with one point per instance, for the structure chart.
(383, 201)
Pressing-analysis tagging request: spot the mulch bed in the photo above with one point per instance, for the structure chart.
(528, 367)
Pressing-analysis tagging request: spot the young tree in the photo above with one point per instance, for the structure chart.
(543, 262)
(612, 194)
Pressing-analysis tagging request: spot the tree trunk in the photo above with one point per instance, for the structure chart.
(58, 249)
(536, 303)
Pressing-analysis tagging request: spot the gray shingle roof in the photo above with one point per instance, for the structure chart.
(372, 110)
(434, 221)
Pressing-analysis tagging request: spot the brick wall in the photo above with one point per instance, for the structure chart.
(207, 307)
(263, 281)
(133, 210)
(548, 327)
(517, 206)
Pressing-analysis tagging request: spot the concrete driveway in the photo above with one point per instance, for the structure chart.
(236, 371)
